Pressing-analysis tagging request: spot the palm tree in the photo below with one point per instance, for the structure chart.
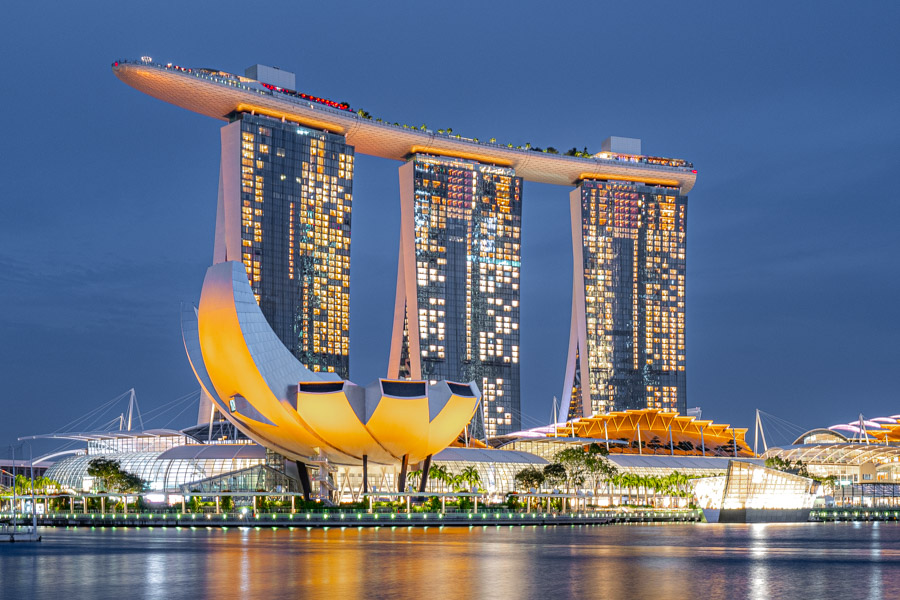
(413, 478)
(471, 476)
(441, 474)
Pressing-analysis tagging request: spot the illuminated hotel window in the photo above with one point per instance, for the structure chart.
(467, 216)
(295, 236)
(634, 271)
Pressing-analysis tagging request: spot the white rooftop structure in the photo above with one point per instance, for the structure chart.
(272, 75)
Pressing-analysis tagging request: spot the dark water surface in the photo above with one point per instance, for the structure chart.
(629, 562)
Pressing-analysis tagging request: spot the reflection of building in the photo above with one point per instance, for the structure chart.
(457, 307)
(627, 340)
(285, 195)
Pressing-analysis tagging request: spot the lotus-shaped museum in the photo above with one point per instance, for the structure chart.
(260, 387)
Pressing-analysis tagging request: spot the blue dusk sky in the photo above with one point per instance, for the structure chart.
(789, 110)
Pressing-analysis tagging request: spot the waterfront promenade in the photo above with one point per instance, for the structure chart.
(349, 518)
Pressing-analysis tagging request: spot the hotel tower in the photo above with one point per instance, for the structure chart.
(284, 208)
(285, 200)
(627, 337)
(456, 314)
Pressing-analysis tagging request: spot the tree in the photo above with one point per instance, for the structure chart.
(630, 482)
(572, 152)
(227, 504)
(787, 466)
(551, 150)
(599, 468)
(655, 444)
(112, 478)
(828, 483)
(441, 474)
(574, 461)
(413, 478)
(685, 446)
(554, 474)
(680, 483)
(471, 476)
(529, 478)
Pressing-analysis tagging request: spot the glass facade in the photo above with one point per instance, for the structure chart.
(467, 218)
(628, 344)
(296, 199)
(162, 475)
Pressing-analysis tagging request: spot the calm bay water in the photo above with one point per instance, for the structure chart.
(629, 562)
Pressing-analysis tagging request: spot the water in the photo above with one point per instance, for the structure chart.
(631, 562)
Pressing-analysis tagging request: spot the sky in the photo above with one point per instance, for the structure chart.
(789, 111)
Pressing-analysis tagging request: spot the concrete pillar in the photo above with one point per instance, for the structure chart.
(217, 505)
(401, 481)
(365, 485)
(423, 482)
(305, 483)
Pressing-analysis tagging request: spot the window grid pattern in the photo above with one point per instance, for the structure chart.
(468, 220)
(296, 201)
(634, 275)
(163, 475)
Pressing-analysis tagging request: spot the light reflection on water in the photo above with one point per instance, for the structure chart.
(670, 561)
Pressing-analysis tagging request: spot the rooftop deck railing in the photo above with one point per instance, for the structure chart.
(643, 162)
